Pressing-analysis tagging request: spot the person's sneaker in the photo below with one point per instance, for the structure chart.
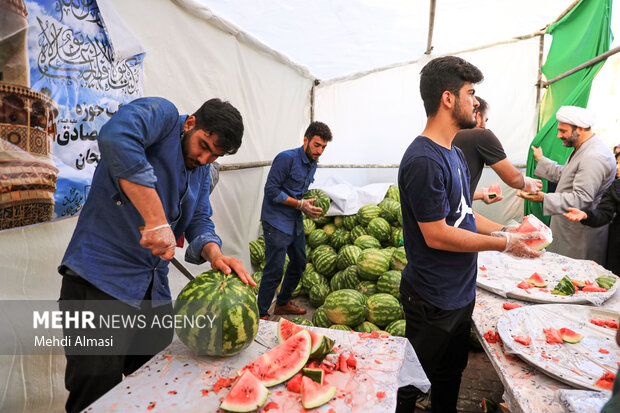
(265, 317)
(289, 308)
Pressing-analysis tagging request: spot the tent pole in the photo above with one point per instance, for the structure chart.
(540, 64)
(589, 63)
(314, 84)
(431, 26)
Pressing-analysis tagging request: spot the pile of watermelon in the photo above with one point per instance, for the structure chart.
(354, 266)
(286, 361)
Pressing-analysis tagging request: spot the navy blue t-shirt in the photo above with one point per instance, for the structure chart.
(434, 184)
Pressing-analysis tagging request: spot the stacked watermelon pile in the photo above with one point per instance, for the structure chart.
(354, 267)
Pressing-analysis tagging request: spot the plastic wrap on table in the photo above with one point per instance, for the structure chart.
(581, 401)
(502, 273)
(579, 364)
(178, 380)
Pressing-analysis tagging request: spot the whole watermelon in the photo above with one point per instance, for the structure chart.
(389, 283)
(367, 241)
(322, 199)
(309, 225)
(345, 307)
(372, 263)
(317, 237)
(349, 221)
(224, 298)
(389, 210)
(380, 229)
(357, 232)
(393, 193)
(397, 235)
(383, 309)
(317, 294)
(319, 318)
(257, 252)
(396, 328)
(366, 213)
(348, 255)
(399, 259)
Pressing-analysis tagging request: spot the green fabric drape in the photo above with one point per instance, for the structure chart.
(584, 33)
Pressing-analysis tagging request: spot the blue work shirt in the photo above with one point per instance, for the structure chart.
(140, 143)
(291, 174)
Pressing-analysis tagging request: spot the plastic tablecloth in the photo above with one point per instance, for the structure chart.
(526, 389)
(177, 380)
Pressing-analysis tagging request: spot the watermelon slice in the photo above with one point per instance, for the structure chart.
(593, 289)
(494, 191)
(313, 394)
(606, 381)
(531, 224)
(598, 322)
(552, 336)
(283, 361)
(524, 285)
(294, 384)
(536, 280)
(246, 394)
(314, 374)
(569, 335)
(578, 284)
(611, 323)
(511, 306)
(321, 345)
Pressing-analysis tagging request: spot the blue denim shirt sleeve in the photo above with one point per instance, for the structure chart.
(280, 170)
(123, 141)
(201, 230)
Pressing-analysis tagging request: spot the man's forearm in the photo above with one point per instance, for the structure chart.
(146, 200)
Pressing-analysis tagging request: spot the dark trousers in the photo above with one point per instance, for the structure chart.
(89, 376)
(441, 341)
(277, 245)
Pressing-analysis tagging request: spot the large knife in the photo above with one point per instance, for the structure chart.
(182, 268)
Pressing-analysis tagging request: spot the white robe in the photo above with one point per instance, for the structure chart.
(581, 183)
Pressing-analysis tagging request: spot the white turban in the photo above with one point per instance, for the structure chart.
(574, 115)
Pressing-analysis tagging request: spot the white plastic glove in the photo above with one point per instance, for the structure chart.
(160, 240)
(516, 245)
(531, 185)
(307, 207)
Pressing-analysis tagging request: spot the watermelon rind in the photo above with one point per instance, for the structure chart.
(321, 345)
(246, 394)
(536, 280)
(302, 321)
(564, 287)
(315, 395)
(315, 374)
(283, 361)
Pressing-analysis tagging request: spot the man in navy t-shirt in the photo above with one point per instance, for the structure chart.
(442, 233)
(290, 175)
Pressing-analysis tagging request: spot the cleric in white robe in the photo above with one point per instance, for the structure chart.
(588, 172)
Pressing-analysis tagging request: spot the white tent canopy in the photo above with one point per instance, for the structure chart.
(264, 56)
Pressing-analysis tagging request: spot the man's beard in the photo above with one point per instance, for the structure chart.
(572, 141)
(463, 120)
(309, 153)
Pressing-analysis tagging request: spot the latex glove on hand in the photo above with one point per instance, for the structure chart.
(515, 244)
(575, 215)
(307, 207)
(487, 200)
(531, 185)
(160, 240)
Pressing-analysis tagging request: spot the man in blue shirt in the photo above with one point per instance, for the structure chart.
(290, 175)
(150, 187)
(443, 234)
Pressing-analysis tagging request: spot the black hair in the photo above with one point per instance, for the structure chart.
(448, 73)
(224, 120)
(318, 129)
(482, 108)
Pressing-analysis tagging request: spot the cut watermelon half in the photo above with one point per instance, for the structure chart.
(315, 395)
(569, 335)
(283, 361)
(536, 280)
(246, 394)
(321, 345)
(494, 191)
(531, 224)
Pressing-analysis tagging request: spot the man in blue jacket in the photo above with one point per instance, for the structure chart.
(290, 175)
(150, 187)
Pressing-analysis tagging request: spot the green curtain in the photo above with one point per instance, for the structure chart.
(584, 33)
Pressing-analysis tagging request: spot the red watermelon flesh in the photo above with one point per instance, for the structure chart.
(606, 381)
(536, 280)
(531, 224)
(524, 285)
(611, 323)
(247, 394)
(283, 361)
(511, 306)
(494, 191)
(313, 394)
(523, 340)
(321, 345)
(569, 335)
(593, 289)
(294, 384)
(598, 322)
(552, 336)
